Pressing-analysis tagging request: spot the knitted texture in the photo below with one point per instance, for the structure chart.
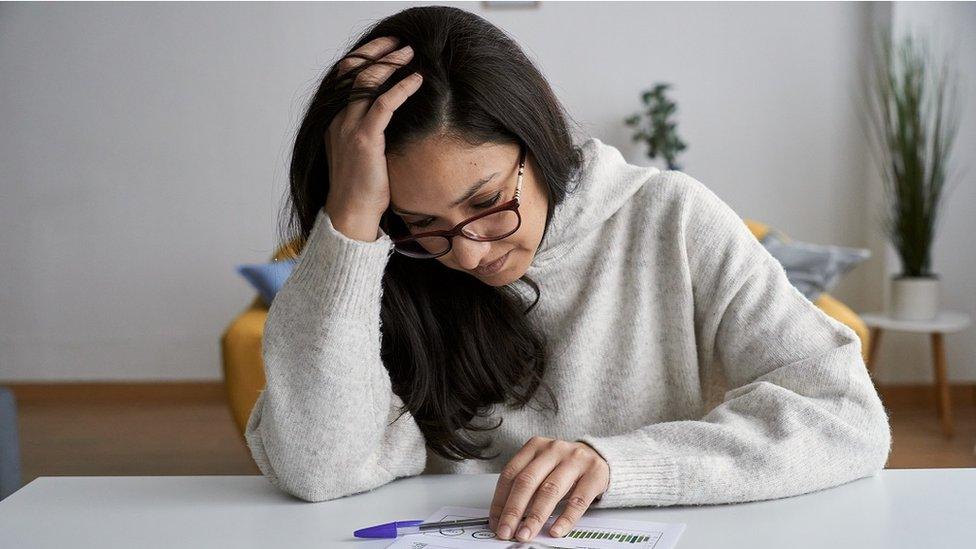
(678, 350)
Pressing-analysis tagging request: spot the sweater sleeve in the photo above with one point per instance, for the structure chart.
(326, 424)
(801, 413)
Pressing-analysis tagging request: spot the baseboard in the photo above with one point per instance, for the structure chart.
(924, 395)
(179, 391)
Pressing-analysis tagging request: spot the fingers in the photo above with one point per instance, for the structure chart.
(505, 480)
(369, 52)
(381, 111)
(523, 488)
(374, 49)
(587, 488)
(534, 482)
(548, 495)
(372, 77)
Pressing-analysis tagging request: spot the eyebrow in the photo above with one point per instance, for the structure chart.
(466, 196)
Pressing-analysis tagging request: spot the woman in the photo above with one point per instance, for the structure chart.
(634, 346)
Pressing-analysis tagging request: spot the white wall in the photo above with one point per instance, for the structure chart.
(905, 357)
(144, 150)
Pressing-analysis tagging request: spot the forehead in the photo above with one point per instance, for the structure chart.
(435, 170)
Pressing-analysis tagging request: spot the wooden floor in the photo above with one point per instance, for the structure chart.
(197, 436)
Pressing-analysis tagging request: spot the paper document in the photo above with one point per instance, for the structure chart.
(589, 533)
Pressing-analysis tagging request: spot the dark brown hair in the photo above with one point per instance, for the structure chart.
(454, 347)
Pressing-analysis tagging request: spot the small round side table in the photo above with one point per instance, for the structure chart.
(945, 322)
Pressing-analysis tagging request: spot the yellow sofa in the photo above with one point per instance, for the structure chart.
(243, 365)
(241, 357)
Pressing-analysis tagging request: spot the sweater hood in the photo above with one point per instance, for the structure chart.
(605, 184)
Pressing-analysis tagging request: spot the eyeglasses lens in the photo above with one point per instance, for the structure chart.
(491, 227)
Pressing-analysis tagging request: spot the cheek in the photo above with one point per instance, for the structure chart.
(534, 224)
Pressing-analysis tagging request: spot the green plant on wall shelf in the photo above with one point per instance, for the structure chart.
(653, 127)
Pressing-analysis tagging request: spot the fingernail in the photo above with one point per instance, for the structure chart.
(406, 49)
(505, 532)
(523, 534)
(556, 531)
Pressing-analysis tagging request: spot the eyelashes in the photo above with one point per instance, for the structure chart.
(484, 205)
(491, 202)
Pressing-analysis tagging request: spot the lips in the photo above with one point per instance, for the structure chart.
(494, 266)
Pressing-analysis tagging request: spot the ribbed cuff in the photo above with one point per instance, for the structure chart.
(342, 274)
(638, 476)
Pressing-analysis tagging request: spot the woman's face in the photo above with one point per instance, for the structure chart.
(431, 174)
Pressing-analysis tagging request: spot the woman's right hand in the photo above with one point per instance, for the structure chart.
(359, 185)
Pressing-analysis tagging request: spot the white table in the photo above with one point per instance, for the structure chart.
(896, 509)
(945, 322)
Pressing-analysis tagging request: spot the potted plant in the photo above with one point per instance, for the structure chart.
(653, 127)
(915, 127)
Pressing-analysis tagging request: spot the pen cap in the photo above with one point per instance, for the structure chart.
(388, 530)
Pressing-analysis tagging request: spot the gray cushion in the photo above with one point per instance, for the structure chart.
(812, 268)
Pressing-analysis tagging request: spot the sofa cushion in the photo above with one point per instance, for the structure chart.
(9, 444)
(812, 268)
(268, 278)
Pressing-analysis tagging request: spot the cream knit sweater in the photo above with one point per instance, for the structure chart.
(679, 351)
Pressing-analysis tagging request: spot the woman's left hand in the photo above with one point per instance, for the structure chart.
(537, 478)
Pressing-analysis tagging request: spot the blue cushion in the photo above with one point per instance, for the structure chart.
(9, 444)
(812, 268)
(268, 278)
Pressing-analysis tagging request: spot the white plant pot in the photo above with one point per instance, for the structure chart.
(914, 298)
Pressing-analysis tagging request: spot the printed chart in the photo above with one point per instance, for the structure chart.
(623, 537)
(589, 533)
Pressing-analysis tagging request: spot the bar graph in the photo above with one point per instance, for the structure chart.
(607, 535)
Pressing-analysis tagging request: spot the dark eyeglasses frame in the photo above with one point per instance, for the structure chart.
(449, 234)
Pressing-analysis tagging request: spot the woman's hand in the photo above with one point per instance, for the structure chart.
(537, 478)
(355, 145)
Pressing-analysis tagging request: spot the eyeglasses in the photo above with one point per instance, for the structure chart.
(494, 224)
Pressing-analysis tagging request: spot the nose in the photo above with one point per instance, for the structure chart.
(469, 253)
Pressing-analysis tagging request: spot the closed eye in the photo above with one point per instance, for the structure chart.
(484, 205)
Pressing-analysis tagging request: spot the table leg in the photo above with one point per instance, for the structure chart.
(941, 384)
(875, 338)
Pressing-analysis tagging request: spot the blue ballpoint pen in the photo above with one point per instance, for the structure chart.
(402, 527)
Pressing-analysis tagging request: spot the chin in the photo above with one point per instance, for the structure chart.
(499, 281)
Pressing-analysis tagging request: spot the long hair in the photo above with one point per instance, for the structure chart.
(454, 347)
